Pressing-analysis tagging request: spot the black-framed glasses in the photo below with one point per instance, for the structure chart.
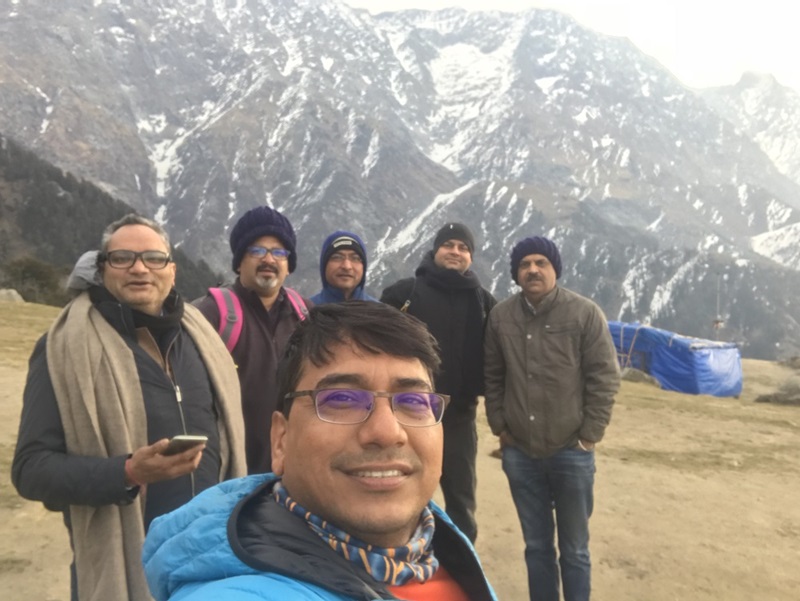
(124, 259)
(353, 406)
(259, 252)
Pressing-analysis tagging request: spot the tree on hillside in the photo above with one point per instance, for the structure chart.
(36, 281)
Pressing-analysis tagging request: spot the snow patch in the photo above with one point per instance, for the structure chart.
(586, 114)
(546, 84)
(373, 154)
(664, 292)
(154, 124)
(625, 157)
(161, 215)
(742, 194)
(656, 225)
(778, 214)
(543, 60)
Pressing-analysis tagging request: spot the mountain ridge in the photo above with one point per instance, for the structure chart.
(514, 123)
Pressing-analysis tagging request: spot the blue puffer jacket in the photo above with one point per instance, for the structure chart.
(234, 542)
(329, 294)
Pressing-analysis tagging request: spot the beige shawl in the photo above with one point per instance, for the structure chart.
(100, 401)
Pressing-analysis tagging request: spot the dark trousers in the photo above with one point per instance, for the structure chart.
(459, 479)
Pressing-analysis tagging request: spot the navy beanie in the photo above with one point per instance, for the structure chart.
(454, 231)
(341, 240)
(535, 245)
(258, 222)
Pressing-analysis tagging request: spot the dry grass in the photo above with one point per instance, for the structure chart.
(21, 325)
(695, 495)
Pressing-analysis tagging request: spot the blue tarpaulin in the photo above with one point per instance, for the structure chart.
(679, 363)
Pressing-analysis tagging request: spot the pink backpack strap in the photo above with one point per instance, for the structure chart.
(230, 316)
(298, 304)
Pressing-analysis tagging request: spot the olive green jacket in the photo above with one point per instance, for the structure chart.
(551, 375)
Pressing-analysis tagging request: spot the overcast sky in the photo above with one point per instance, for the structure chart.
(703, 42)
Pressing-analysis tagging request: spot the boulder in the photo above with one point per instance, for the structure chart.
(10, 295)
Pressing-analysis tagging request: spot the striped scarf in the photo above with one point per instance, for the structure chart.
(394, 566)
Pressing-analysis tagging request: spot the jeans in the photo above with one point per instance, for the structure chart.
(562, 483)
(459, 479)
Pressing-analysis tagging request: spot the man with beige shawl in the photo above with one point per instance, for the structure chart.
(125, 367)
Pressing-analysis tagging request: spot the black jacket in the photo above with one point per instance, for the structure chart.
(43, 471)
(455, 307)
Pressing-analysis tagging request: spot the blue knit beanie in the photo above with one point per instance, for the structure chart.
(258, 222)
(535, 245)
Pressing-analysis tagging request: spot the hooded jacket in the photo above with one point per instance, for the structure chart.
(235, 542)
(329, 294)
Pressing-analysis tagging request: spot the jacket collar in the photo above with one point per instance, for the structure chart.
(544, 306)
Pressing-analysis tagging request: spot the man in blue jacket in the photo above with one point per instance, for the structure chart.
(347, 513)
(342, 269)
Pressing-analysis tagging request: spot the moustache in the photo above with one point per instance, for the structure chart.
(532, 277)
(269, 268)
(350, 461)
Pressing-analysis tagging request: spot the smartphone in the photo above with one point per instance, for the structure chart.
(184, 442)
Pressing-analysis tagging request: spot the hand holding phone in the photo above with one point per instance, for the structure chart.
(184, 442)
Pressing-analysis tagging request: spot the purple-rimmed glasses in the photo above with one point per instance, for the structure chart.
(354, 406)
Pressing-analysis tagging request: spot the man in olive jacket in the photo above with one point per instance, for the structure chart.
(551, 374)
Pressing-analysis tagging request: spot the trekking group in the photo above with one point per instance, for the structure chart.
(319, 427)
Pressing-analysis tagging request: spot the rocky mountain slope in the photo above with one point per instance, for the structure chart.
(516, 124)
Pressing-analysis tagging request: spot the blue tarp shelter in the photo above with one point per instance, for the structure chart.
(679, 363)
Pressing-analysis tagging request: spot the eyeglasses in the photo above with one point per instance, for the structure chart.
(259, 252)
(341, 258)
(123, 259)
(353, 406)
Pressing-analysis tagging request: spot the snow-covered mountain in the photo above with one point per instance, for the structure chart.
(769, 113)
(516, 124)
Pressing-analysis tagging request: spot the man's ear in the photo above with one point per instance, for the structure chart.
(278, 432)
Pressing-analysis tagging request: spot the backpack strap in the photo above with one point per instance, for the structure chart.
(298, 304)
(407, 304)
(230, 316)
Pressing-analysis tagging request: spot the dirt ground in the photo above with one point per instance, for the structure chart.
(696, 498)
